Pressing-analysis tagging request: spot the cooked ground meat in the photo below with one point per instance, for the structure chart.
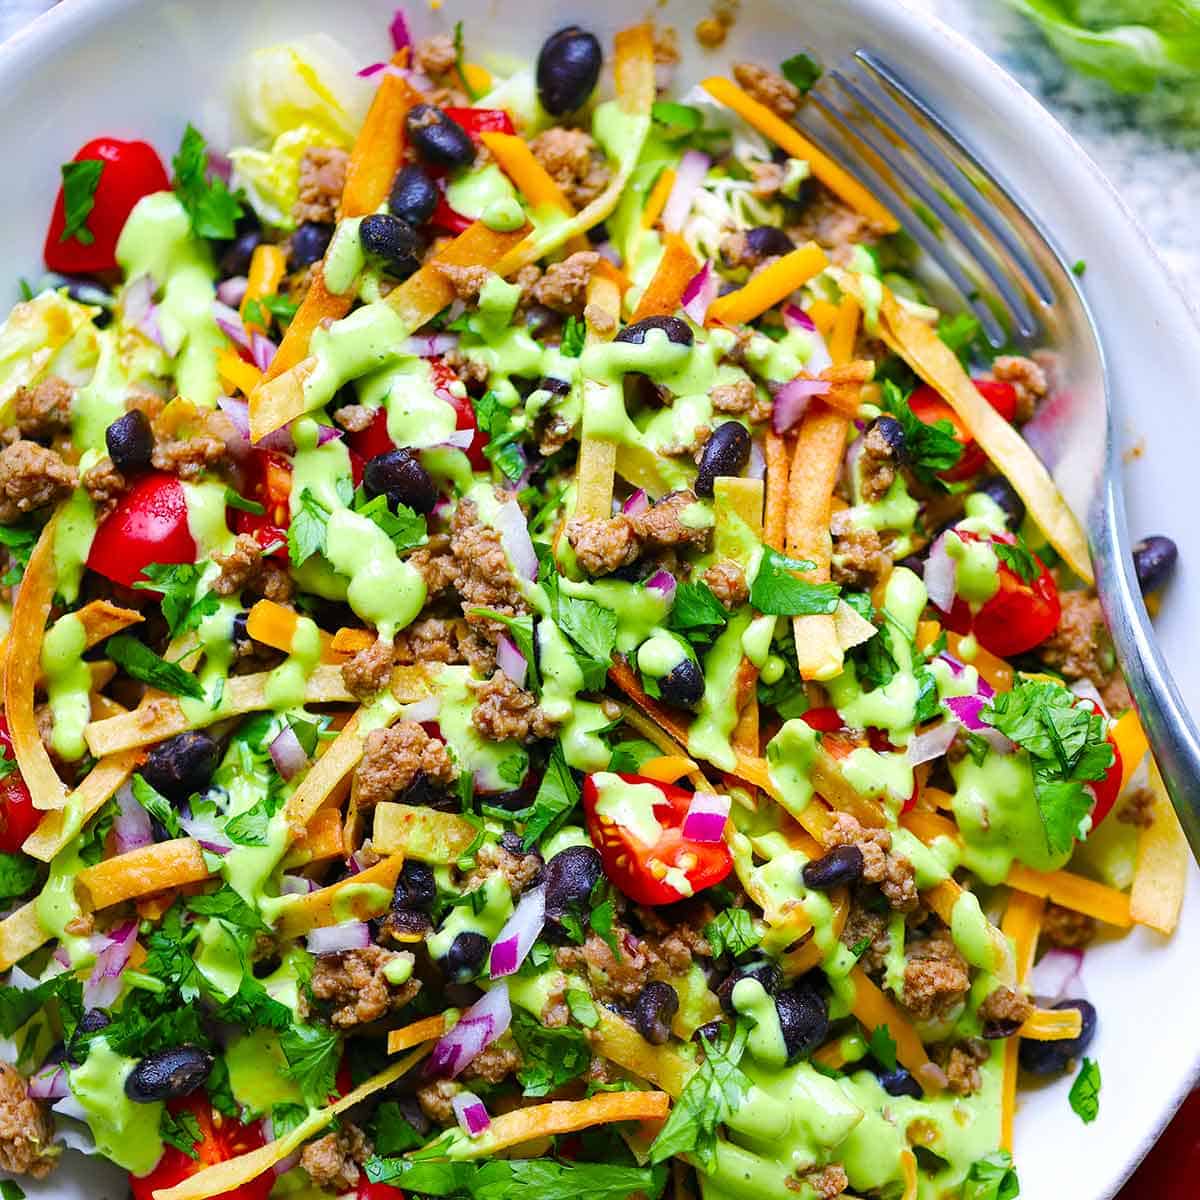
(1080, 647)
(935, 976)
(603, 544)
(25, 1128)
(599, 320)
(768, 88)
(436, 563)
(355, 983)
(621, 978)
(430, 640)
(736, 250)
(962, 1065)
(504, 711)
(437, 1101)
(188, 440)
(1028, 380)
(876, 466)
(435, 56)
(518, 870)
(238, 567)
(370, 670)
(467, 282)
(833, 224)
(863, 923)
(742, 398)
(354, 418)
(332, 1161)
(322, 177)
(105, 485)
(828, 1182)
(563, 288)
(394, 757)
(677, 940)
(1137, 809)
(893, 874)
(472, 371)
(727, 581)
(664, 524)
(1005, 1006)
(31, 477)
(1066, 928)
(495, 1063)
(43, 410)
(859, 558)
(485, 579)
(574, 161)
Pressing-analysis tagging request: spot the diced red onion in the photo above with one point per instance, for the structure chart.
(1057, 974)
(280, 440)
(140, 311)
(609, 252)
(399, 31)
(486, 1020)
(230, 324)
(706, 817)
(422, 710)
(940, 573)
(207, 832)
(795, 316)
(966, 709)
(514, 534)
(132, 828)
(472, 1115)
(460, 439)
(287, 754)
(700, 292)
(688, 177)
(219, 165)
(328, 433)
(232, 291)
(756, 468)
(636, 504)
(510, 660)
(262, 350)
(431, 345)
(104, 983)
(933, 743)
(376, 68)
(50, 1083)
(238, 411)
(337, 939)
(662, 582)
(520, 931)
(296, 885)
(982, 686)
(792, 399)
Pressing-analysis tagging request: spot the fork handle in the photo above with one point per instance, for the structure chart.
(1173, 738)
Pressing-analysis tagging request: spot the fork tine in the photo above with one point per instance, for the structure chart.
(891, 153)
(942, 151)
(853, 157)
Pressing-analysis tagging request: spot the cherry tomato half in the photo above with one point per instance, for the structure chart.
(928, 407)
(1019, 616)
(18, 817)
(1105, 790)
(448, 219)
(221, 1139)
(825, 719)
(634, 867)
(131, 170)
(481, 120)
(269, 483)
(377, 1191)
(149, 525)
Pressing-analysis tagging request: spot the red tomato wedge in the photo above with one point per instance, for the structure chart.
(149, 525)
(221, 1138)
(130, 171)
(481, 120)
(1105, 790)
(18, 817)
(1020, 616)
(928, 407)
(377, 1191)
(269, 483)
(640, 870)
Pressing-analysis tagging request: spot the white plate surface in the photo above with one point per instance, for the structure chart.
(141, 68)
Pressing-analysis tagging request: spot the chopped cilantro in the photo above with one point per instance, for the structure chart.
(777, 592)
(573, 336)
(460, 64)
(582, 1007)
(260, 310)
(732, 932)
(156, 804)
(306, 533)
(18, 873)
(1085, 1092)
(177, 582)
(675, 121)
(963, 334)
(1079, 268)
(11, 1190)
(212, 209)
(406, 528)
(882, 1046)
(628, 756)
(181, 1131)
(930, 448)
(551, 1057)
(312, 1054)
(79, 180)
(143, 664)
(252, 827)
(696, 607)
(557, 796)
(17, 1005)
(800, 71)
(250, 1007)
(394, 1133)
(992, 1178)
(234, 500)
(1018, 558)
(603, 922)
(228, 907)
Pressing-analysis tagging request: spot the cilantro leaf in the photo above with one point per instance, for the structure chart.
(156, 804)
(557, 796)
(552, 1057)
(252, 827)
(590, 626)
(79, 180)
(143, 664)
(394, 1133)
(252, 1008)
(732, 932)
(498, 1179)
(306, 533)
(709, 1096)
(11, 1190)
(1018, 558)
(583, 1007)
(696, 607)
(181, 1131)
(574, 335)
(228, 907)
(963, 334)
(800, 71)
(262, 309)
(675, 121)
(521, 631)
(169, 959)
(930, 448)
(777, 592)
(883, 1047)
(1085, 1092)
(406, 528)
(313, 1055)
(180, 606)
(212, 209)
(992, 1178)
(602, 919)
(628, 756)
(233, 500)
(18, 873)
(17, 1005)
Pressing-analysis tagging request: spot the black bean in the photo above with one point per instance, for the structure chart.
(1053, 1058)
(726, 452)
(567, 69)
(676, 329)
(656, 1005)
(308, 244)
(915, 563)
(892, 432)
(598, 234)
(803, 1018)
(241, 633)
(414, 195)
(437, 138)
(898, 1082)
(130, 442)
(465, 956)
(996, 1030)
(710, 1032)
(168, 1074)
(683, 685)
(843, 864)
(1004, 494)
(398, 474)
(393, 240)
(182, 765)
(91, 1021)
(763, 969)
(767, 240)
(570, 876)
(1154, 559)
(511, 800)
(556, 387)
(415, 887)
(235, 259)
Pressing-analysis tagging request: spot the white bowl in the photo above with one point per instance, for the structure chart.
(142, 68)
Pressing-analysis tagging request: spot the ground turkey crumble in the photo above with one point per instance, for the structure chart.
(189, 440)
(833, 224)
(1066, 928)
(663, 525)
(333, 1161)
(503, 711)
(574, 161)
(105, 485)
(727, 581)
(1080, 648)
(961, 1062)
(768, 88)
(1028, 381)
(742, 398)
(484, 578)
(495, 1063)
(370, 670)
(393, 758)
(32, 477)
(859, 560)
(1005, 1009)
(935, 976)
(517, 870)
(876, 465)
(322, 177)
(828, 1182)
(355, 983)
(437, 1101)
(44, 409)
(603, 545)
(25, 1128)
(245, 566)
(893, 874)
(563, 288)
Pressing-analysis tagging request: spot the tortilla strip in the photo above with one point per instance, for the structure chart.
(1160, 874)
(419, 1031)
(142, 872)
(323, 777)
(664, 293)
(24, 664)
(775, 509)
(1022, 922)
(226, 1176)
(423, 834)
(321, 840)
(21, 933)
(596, 465)
(357, 898)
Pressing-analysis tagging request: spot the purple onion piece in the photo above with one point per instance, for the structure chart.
(287, 754)
(792, 400)
(486, 1020)
(520, 931)
(940, 574)
(337, 939)
(399, 31)
(510, 660)
(636, 504)
(471, 1112)
(662, 582)
(688, 178)
(132, 828)
(706, 817)
(925, 747)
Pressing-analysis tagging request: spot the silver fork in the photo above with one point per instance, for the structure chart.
(992, 251)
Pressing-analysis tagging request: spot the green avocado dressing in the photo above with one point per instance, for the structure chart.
(68, 685)
(708, 735)
(765, 1042)
(639, 610)
(73, 540)
(258, 1073)
(101, 400)
(582, 720)
(780, 361)
(473, 192)
(790, 755)
(473, 753)
(630, 805)
(57, 906)
(497, 908)
(345, 258)
(369, 338)
(157, 241)
(416, 415)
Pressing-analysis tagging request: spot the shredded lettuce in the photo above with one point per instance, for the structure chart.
(271, 178)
